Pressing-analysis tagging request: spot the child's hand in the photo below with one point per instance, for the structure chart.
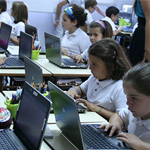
(78, 58)
(130, 139)
(91, 106)
(2, 60)
(64, 52)
(73, 93)
(112, 127)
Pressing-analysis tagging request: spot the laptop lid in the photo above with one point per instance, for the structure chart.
(32, 116)
(53, 49)
(66, 114)
(33, 72)
(5, 32)
(25, 45)
(31, 30)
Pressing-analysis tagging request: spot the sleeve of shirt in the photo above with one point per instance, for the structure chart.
(85, 54)
(2, 18)
(84, 85)
(20, 27)
(119, 98)
(124, 114)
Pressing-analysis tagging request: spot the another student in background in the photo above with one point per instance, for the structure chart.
(19, 12)
(98, 30)
(61, 6)
(112, 14)
(4, 17)
(75, 40)
(137, 116)
(103, 89)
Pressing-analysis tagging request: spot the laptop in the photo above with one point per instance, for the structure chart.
(31, 30)
(54, 54)
(25, 49)
(5, 32)
(30, 122)
(67, 120)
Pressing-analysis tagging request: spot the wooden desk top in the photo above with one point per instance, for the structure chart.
(58, 72)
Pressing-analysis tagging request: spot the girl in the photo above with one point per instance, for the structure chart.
(4, 17)
(19, 12)
(103, 88)
(99, 29)
(75, 40)
(136, 117)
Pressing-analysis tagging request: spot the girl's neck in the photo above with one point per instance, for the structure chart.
(72, 30)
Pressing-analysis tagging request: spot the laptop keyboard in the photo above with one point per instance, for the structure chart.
(95, 139)
(14, 62)
(5, 141)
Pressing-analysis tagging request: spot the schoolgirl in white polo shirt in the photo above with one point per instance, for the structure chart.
(103, 89)
(75, 40)
(136, 117)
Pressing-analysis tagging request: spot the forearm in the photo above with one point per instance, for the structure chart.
(100, 11)
(59, 7)
(147, 36)
(143, 146)
(14, 40)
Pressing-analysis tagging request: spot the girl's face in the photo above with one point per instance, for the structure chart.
(97, 67)
(138, 104)
(95, 35)
(66, 22)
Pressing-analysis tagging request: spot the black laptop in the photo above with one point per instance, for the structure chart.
(31, 30)
(5, 32)
(25, 49)
(54, 54)
(83, 137)
(30, 122)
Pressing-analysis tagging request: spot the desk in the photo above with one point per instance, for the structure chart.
(44, 146)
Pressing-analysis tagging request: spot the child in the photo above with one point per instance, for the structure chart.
(19, 12)
(75, 40)
(112, 14)
(4, 17)
(103, 88)
(99, 29)
(137, 116)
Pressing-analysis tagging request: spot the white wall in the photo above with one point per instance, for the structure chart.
(43, 20)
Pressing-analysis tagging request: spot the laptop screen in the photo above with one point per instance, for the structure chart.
(5, 32)
(53, 49)
(66, 114)
(31, 117)
(25, 45)
(33, 72)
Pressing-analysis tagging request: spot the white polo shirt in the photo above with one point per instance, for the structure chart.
(85, 54)
(108, 93)
(136, 126)
(76, 43)
(4, 17)
(16, 28)
(111, 22)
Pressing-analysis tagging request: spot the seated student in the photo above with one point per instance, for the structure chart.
(75, 40)
(90, 7)
(112, 14)
(99, 29)
(108, 63)
(137, 116)
(4, 17)
(19, 12)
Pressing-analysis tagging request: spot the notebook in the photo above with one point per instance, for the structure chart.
(67, 120)
(54, 54)
(25, 49)
(31, 30)
(30, 122)
(33, 72)
(5, 32)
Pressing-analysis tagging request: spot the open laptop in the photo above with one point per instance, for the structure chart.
(54, 54)
(31, 30)
(5, 32)
(25, 49)
(67, 119)
(30, 122)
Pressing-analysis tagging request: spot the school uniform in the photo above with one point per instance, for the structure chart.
(111, 22)
(4, 17)
(16, 28)
(85, 54)
(76, 42)
(136, 126)
(108, 94)
(59, 29)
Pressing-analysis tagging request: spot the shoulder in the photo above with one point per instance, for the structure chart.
(81, 33)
